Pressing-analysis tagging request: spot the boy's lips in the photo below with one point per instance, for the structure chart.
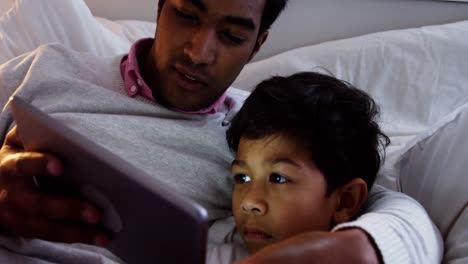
(252, 233)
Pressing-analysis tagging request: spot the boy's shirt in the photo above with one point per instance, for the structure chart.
(225, 245)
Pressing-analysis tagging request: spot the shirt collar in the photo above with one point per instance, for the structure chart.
(135, 85)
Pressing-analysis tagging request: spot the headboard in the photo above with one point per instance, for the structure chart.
(318, 20)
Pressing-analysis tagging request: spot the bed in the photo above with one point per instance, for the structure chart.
(410, 55)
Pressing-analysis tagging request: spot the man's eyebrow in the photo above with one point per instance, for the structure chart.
(199, 4)
(246, 23)
(238, 163)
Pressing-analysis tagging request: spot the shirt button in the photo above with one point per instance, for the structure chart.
(139, 82)
(133, 89)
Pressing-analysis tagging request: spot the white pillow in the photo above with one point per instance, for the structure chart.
(31, 23)
(28, 24)
(418, 76)
(130, 30)
(5, 5)
(434, 171)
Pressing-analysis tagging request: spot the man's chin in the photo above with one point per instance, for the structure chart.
(187, 105)
(186, 102)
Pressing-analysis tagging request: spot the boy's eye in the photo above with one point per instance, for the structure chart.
(277, 178)
(241, 178)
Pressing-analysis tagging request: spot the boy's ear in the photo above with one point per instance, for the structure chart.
(349, 199)
(260, 40)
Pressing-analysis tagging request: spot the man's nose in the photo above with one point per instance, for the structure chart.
(255, 202)
(202, 48)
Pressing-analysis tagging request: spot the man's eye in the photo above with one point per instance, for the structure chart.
(277, 178)
(185, 16)
(241, 178)
(233, 39)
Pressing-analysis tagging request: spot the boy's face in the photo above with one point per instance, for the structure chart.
(201, 46)
(278, 192)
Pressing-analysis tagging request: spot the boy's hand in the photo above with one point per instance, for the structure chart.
(347, 246)
(29, 212)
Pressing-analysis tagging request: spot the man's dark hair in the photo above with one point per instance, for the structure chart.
(335, 121)
(271, 11)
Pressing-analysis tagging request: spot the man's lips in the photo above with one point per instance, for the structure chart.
(189, 81)
(191, 75)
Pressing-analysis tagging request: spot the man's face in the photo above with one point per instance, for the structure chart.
(279, 192)
(201, 46)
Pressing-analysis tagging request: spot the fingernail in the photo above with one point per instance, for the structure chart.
(3, 195)
(54, 168)
(90, 216)
(101, 241)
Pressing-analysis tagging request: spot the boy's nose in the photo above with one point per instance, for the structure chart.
(255, 204)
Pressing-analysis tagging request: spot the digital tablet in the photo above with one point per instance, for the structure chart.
(152, 224)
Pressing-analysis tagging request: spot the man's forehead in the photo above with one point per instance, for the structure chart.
(249, 3)
(239, 8)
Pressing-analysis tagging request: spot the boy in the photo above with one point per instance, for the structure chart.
(308, 150)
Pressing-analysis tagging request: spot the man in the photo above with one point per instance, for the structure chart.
(165, 108)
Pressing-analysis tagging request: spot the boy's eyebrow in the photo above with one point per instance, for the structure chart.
(285, 160)
(238, 163)
(246, 23)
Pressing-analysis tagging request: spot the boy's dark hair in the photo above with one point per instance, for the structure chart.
(271, 11)
(335, 121)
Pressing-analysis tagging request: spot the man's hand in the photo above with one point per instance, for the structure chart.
(29, 212)
(347, 246)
